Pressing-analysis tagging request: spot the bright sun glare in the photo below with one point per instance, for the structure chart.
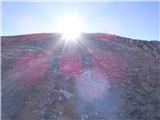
(70, 27)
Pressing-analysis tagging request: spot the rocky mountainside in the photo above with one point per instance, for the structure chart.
(101, 77)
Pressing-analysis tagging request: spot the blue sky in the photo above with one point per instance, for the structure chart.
(130, 19)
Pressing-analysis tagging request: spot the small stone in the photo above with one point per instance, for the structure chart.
(86, 116)
(60, 113)
(121, 114)
(66, 94)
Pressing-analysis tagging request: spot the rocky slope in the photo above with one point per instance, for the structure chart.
(103, 77)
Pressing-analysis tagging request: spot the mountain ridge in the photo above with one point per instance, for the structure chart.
(102, 77)
(149, 46)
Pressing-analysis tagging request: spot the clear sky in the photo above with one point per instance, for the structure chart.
(129, 19)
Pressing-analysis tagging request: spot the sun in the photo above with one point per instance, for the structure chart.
(70, 27)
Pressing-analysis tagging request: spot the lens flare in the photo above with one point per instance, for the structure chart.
(70, 27)
(92, 85)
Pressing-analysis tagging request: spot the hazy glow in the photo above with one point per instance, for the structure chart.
(92, 85)
(70, 27)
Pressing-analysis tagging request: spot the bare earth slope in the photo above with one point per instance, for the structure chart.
(103, 77)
